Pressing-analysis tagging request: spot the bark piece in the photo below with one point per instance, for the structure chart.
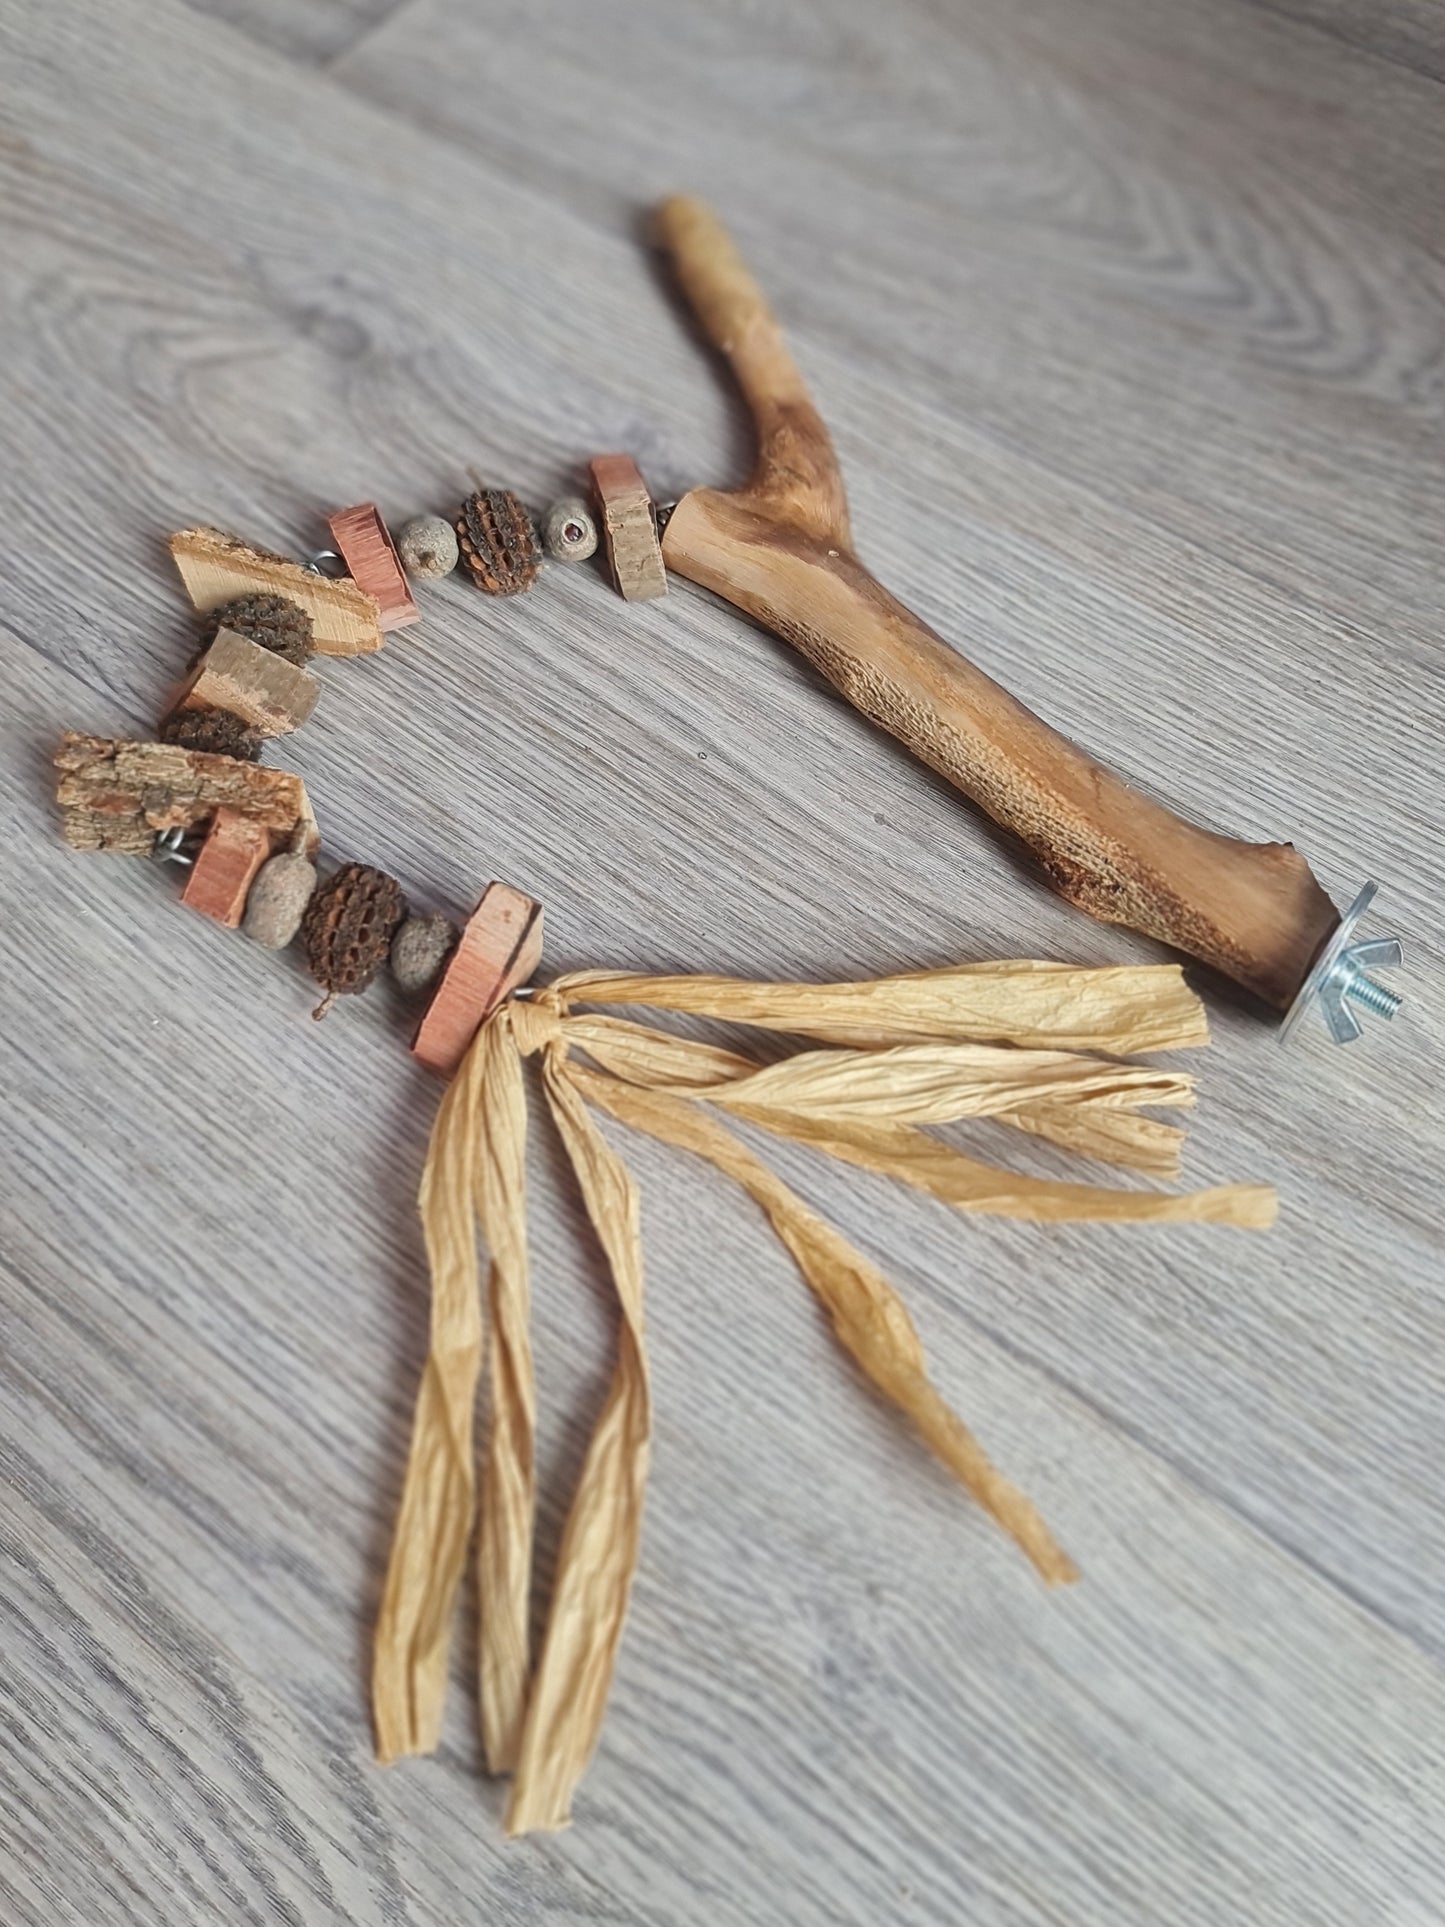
(628, 528)
(780, 548)
(117, 795)
(500, 949)
(221, 876)
(251, 682)
(216, 568)
(366, 547)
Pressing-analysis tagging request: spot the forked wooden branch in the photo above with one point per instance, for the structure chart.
(781, 549)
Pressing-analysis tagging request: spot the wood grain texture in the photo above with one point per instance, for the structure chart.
(317, 33)
(1129, 323)
(1411, 32)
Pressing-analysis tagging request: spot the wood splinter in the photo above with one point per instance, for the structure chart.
(780, 549)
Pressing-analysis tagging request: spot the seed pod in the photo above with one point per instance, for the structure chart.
(278, 898)
(274, 621)
(216, 731)
(570, 534)
(427, 546)
(419, 949)
(348, 927)
(497, 541)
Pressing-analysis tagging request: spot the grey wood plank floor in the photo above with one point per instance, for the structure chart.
(1129, 320)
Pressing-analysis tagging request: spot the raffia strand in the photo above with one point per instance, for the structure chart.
(1034, 1046)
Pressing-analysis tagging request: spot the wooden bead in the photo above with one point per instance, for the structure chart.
(216, 567)
(427, 546)
(569, 532)
(419, 949)
(263, 689)
(629, 528)
(118, 796)
(220, 878)
(278, 898)
(500, 949)
(365, 546)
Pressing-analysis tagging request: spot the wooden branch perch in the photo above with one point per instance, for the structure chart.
(781, 549)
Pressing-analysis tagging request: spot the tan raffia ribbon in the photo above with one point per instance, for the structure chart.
(1036, 1046)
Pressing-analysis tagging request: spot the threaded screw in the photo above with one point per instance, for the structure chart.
(1338, 980)
(1364, 991)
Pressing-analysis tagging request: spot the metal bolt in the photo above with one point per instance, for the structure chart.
(1338, 979)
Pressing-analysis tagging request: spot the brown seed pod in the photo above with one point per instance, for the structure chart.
(498, 543)
(347, 929)
(274, 621)
(216, 731)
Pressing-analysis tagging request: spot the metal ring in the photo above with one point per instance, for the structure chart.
(313, 562)
(170, 847)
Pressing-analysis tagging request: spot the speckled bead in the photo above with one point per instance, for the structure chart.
(569, 532)
(419, 949)
(427, 546)
(277, 900)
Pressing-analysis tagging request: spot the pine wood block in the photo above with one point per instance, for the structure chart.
(238, 675)
(628, 528)
(117, 795)
(225, 866)
(500, 950)
(215, 567)
(365, 546)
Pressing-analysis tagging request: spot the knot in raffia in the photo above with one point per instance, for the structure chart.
(536, 1021)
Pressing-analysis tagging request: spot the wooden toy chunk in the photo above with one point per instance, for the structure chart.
(239, 676)
(365, 545)
(628, 528)
(117, 796)
(500, 949)
(235, 848)
(216, 567)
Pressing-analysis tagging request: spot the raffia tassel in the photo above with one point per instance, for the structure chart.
(1012, 1041)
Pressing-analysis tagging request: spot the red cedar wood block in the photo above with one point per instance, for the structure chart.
(628, 528)
(226, 864)
(365, 546)
(239, 676)
(500, 949)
